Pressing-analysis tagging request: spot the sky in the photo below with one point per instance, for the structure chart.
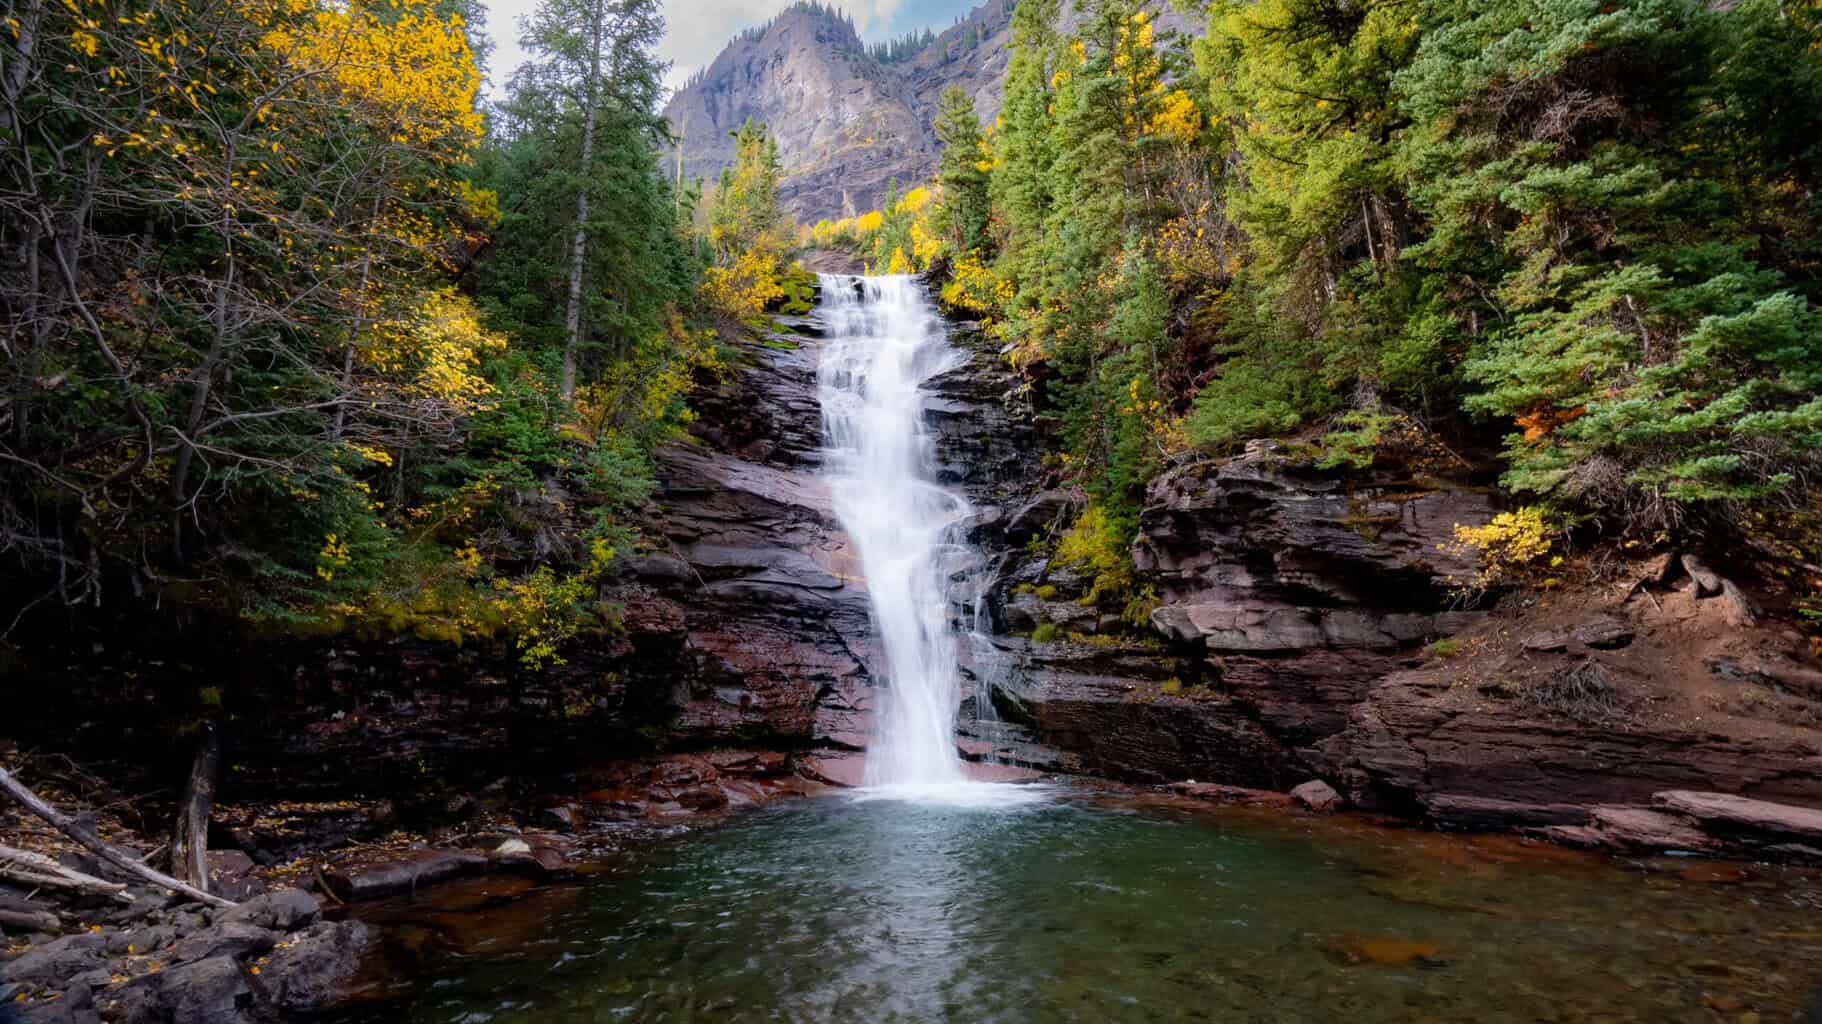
(696, 30)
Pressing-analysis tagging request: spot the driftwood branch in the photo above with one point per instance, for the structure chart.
(107, 852)
(41, 872)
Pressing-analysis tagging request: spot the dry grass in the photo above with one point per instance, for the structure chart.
(1583, 693)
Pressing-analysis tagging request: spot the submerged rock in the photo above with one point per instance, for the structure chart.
(410, 871)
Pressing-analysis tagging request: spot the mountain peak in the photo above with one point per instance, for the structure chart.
(849, 118)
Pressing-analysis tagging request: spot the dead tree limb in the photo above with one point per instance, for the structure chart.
(106, 851)
(41, 872)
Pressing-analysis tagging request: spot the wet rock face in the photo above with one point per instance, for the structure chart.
(754, 611)
(987, 441)
(751, 622)
(1108, 711)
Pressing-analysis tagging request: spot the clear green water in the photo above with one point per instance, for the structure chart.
(1093, 908)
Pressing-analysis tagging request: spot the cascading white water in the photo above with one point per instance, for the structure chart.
(885, 340)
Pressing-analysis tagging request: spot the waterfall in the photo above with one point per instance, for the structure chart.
(885, 340)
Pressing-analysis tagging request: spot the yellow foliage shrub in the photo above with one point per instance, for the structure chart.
(410, 64)
(436, 348)
(1093, 546)
(926, 244)
(742, 290)
(1507, 546)
(915, 200)
(1178, 119)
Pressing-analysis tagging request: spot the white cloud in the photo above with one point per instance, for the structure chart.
(695, 30)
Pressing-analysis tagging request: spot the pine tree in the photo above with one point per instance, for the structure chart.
(966, 206)
(746, 206)
(1021, 185)
(584, 140)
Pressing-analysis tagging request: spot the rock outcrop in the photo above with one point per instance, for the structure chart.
(1293, 638)
(1507, 733)
(1299, 587)
(1283, 594)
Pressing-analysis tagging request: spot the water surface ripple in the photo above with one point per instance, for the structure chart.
(1089, 909)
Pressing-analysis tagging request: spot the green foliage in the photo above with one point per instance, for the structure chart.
(328, 393)
(745, 213)
(1353, 445)
(799, 287)
(1444, 649)
(1581, 248)
(1046, 633)
(1652, 357)
(966, 206)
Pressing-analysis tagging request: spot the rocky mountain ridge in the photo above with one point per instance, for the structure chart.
(847, 123)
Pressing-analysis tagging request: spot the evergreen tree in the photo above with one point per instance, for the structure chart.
(746, 206)
(1021, 186)
(1639, 331)
(963, 173)
(582, 122)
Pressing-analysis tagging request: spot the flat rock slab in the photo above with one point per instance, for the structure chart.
(1632, 828)
(1214, 792)
(1724, 812)
(1317, 796)
(845, 770)
(849, 771)
(413, 870)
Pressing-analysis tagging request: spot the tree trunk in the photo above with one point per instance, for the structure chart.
(354, 332)
(190, 838)
(572, 322)
(222, 319)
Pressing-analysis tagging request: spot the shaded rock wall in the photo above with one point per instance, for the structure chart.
(1284, 593)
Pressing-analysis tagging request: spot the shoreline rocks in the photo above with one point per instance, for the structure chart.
(161, 962)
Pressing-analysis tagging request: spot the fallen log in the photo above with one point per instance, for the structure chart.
(30, 921)
(40, 872)
(24, 915)
(106, 851)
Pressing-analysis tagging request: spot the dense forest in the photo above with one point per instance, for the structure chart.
(300, 332)
(1575, 240)
(297, 332)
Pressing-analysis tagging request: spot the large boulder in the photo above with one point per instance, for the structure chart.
(315, 969)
